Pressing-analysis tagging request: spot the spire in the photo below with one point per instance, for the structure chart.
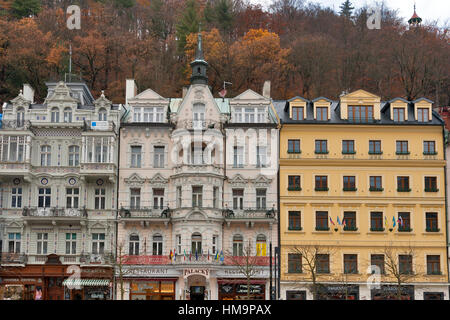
(415, 20)
(199, 65)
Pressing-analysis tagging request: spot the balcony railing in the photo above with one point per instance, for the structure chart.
(14, 124)
(99, 125)
(190, 258)
(13, 258)
(195, 259)
(250, 213)
(198, 168)
(144, 212)
(97, 168)
(14, 167)
(100, 258)
(53, 212)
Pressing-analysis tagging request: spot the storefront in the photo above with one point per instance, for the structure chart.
(390, 292)
(338, 292)
(296, 295)
(95, 283)
(238, 289)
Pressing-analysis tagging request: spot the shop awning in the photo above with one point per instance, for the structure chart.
(87, 282)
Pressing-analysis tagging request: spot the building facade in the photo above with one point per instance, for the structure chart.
(197, 193)
(58, 173)
(362, 199)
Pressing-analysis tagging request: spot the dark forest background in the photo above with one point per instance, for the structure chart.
(303, 48)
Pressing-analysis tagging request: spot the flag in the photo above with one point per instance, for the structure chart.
(344, 223)
(393, 221)
(196, 254)
(331, 221)
(338, 221)
(208, 254)
(190, 255)
(222, 257)
(216, 256)
(223, 92)
(170, 255)
(175, 255)
(385, 221)
(185, 255)
(400, 221)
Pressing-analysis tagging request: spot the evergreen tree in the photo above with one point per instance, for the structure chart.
(25, 8)
(189, 23)
(224, 15)
(346, 9)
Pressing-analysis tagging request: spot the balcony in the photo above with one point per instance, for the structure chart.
(97, 259)
(98, 170)
(145, 259)
(195, 259)
(248, 214)
(198, 169)
(53, 214)
(252, 260)
(15, 169)
(99, 125)
(13, 258)
(15, 125)
(145, 213)
(56, 170)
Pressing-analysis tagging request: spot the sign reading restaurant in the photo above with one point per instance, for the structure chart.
(145, 271)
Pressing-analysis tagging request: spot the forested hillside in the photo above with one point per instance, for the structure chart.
(303, 48)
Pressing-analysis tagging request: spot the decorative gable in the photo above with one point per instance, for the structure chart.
(423, 109)
(262, 181)
(360, 98)
(159, 181)
(102, 101)
(134, 180)
(398, 103)
(62, 93)
(238, 181)
(249, 96)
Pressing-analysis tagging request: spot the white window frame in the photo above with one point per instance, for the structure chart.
(16, 197)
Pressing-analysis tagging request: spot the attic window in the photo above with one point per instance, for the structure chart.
(297, 113)
(422, 114)
(322, 113)
(360, 114)
(399, 114)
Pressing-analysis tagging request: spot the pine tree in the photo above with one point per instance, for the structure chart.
(346, 9)
(189, 23)
(25, 8)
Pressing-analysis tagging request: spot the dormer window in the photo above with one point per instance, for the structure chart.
(67, 114)
(422, 114)
(55, 115)
(322, 113)
(360, 114)
(20, 117)
(297, 113)
(102, 115)
(399, 114)
(250, 115)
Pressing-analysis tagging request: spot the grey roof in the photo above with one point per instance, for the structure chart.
(335, 118)
(321, 98)
(422, 98)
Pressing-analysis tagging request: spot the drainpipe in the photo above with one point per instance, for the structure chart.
(116, 222)
(278, 217)
(446, 201)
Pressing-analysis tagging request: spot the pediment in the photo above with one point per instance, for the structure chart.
(238, 179)
(196, 215)
(13, 224)
(249, 94)
(158, 179)
(98, 225)
(61, 93)
(148, 94)
(20, 100)
(262, 180)
(361, 94)
(102, 101)
(134, 179)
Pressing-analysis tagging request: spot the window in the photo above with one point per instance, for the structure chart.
(399, 114)
(238, 157)
(403, 184)
(429, 147)
(198, 116)
(261, 198)
(433, 264)
(67, 115)
(322, 263)
(294, 263)
(46, 156)
(215, 197)
(98, 149)
(100, 198)
(136, 152)
(179, 196)
(294, 183)
(238, 199)
(158, 198)
(375, 147)
(322, 113)
(350, 263)
(350, 220)
(402, 147)
(378, 260)
(261, 113)
(261, 156)
(321, 146)
(98, 243)
(153, 114)
(135, 198)
(137, 114)
(404, 219)
(293, 146)
(196, 243)
(102, 114)
(44, 198)
(294, 220)
(14, 240)
(71, 243)
(55, 115)
(431, 221)
(158, 157)
(431, 184)
(422, 114)
(348, 146)
(20, 117)
(376, 221)
(261, 245)
(197, 194)
(405, 264)
(321, 183)
(297, 113)
(72, 197)
(16, 198)
(178, 242)
(74, 156)
(157, 245)
(12, 149)
(238, 115)
(42, 243)
(349, 183)
(249, 115)
(238, 245)
(360, 114)
(322, 220)
(375, 183)
(197, 153)
(214, 244)
(133, 249)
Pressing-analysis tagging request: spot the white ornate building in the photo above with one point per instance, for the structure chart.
(197, 193)
(58, 170)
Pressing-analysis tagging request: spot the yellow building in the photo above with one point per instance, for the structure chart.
(362, 199)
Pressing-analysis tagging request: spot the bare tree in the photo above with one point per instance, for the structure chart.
(119, 261)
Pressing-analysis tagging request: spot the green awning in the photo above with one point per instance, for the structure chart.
(86, 282)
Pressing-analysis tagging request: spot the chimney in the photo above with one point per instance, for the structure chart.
(28, 92)
(130, 90)
(266, 89)
(185, 89)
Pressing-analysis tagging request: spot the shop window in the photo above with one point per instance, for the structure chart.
(295, 295)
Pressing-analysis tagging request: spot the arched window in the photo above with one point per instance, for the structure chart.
(102, 115)
(261, 245)
(157, 245)
(74, 156)
(67, 114)
(238, 245)
(196, 243)
(46, 156)
(134, 245)
(20, 117)
(55, 115)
